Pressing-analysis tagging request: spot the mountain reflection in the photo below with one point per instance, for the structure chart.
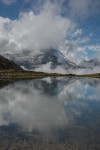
(48, 103)
(4, 83)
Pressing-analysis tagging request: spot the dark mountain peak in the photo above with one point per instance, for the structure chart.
(55, 57)
(5, 64)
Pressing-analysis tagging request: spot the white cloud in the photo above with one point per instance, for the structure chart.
(47, 68)
(35, 32)
(77, 9)
(77, 33)
(85, 40)
(8, 2)
(94, 47)
(83, 8)
(11, 2)
(73, 50)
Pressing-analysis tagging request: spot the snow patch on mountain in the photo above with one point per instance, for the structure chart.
(52, 58)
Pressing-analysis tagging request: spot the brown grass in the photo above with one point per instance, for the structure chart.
(13, 74)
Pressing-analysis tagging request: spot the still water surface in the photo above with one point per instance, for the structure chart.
(62, 113)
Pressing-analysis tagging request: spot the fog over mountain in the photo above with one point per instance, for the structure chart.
(52, 56)
(91, 63)
(52, 60)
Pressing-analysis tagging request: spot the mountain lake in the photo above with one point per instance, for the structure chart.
(50, 114)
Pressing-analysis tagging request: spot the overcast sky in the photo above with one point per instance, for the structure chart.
(73, 26)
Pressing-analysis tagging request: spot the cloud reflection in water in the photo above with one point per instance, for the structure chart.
(48, 103)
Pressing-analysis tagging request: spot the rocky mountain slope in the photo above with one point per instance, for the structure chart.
(5, 64)
(52, 56)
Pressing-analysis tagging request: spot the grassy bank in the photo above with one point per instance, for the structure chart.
(10, 74)
(26, 74)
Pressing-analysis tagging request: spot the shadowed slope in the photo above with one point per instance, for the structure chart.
(5, 64)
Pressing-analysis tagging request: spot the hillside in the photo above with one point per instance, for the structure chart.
(5, 64)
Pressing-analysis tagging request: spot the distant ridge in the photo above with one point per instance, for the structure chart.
(6, 64)
(90, 63)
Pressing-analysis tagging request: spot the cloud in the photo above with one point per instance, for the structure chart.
(11, 2)
(8, 2)
(95, 47)
(73, 8)
(83, 8)
(85, 40)
(47, 68)
(73, 49)
(35, 32)
(78, 32)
